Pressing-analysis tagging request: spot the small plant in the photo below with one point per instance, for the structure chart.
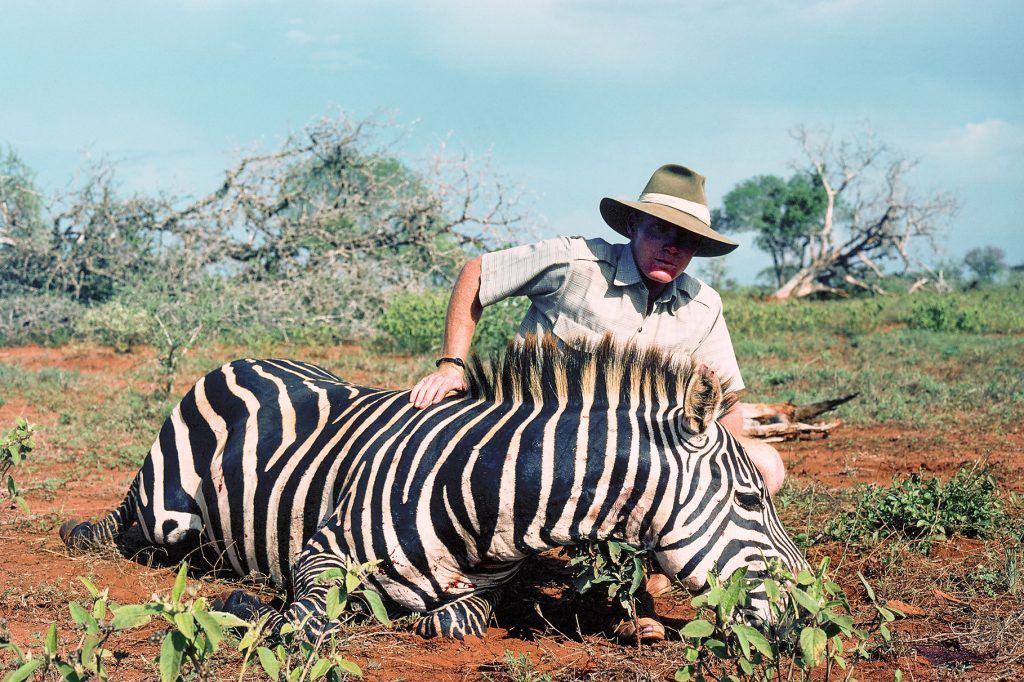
(14, 446)
(296, 659)
(925, 510)
(173, 343)
(615, 566)
(811, 627)
(196, 631)
(521, 668)
(88, 659)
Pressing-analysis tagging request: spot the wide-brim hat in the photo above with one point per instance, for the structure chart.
(674, 194)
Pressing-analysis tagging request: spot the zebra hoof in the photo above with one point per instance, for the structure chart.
(650, 631)
(77, 536)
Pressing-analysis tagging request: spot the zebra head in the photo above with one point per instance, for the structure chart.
(720, 516)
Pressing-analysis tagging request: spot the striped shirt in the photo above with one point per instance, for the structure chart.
(584, 288)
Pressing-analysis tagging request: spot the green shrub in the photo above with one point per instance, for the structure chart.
(116, 325)
(498, 324)
(811, 633)
(414, 323)
(943, 314)
(924, 510)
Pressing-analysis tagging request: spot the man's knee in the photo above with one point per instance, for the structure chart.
(768, 462)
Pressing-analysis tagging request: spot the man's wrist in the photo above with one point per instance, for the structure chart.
(451, 361)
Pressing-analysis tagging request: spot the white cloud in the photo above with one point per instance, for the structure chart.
(991, 150)
(298, 37)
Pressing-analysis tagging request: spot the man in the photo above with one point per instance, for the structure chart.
(637, 291)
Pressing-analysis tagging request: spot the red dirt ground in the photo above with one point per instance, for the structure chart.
(38, 578)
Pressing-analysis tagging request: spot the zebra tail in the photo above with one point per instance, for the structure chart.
(84, 536)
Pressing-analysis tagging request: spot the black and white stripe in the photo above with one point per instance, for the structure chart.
(281, 469)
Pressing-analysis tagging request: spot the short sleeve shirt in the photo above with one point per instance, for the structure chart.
(585, 288)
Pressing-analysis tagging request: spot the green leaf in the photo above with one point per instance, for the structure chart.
(210, 625)
(319, 669)
(227, 620)
(746, 666)
(25, 671)
(756, 639)
(335, 603)
(269, 662)
(805, 578)
(179, 583)
(170, 656)
(376, 606)
(348, 666)
(812, 644)
(809, 603)
(351, 582)
(741, 637)
(20, 422)
(82, 617)
(51, 640)
(717, 647)
(99, 609)
(867, 587)
(697, 629)
(186, 624)
(22, 503)
(94, 591)
(684, 674)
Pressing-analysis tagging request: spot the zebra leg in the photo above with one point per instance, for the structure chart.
(250, 608)
(467, 617)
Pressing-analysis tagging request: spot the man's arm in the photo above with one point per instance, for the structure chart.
(460, 321)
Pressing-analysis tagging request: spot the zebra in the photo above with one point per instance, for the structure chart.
(281, 469)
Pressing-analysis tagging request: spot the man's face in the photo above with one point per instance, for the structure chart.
(661, 250)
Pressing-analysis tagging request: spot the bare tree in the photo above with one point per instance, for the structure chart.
(871, 216)
(324, 228)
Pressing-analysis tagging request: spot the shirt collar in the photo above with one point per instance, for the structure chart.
(627, 274)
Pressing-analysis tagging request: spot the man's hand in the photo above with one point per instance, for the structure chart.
(434, 387)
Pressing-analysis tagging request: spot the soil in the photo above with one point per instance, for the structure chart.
(563, 637)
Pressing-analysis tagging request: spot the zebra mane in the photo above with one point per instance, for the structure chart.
(543, 369)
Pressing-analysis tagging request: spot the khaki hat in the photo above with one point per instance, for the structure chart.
(674, 194)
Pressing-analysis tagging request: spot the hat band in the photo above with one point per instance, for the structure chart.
(698, 211)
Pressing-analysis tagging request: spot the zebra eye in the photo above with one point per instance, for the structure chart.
(750, 501)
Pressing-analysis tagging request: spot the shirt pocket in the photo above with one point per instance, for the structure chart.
(568, 330)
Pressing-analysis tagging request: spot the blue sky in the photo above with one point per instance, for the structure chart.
(572, 101)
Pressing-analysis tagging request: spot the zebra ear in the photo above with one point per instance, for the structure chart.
(702, 398)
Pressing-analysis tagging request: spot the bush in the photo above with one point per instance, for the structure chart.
(116, 325)
(924, 510)
(42, 318)
(943, 314)
(414, 323)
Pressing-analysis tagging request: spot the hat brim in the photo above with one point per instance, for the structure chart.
(616, 212)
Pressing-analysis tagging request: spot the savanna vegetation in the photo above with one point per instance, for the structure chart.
(333, 250)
